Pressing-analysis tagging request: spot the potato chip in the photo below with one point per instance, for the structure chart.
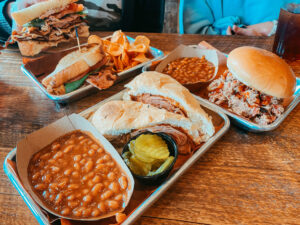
(141, 58)
(138, 48)
(125, 59)
(122, 54)
(151, 146)
(95, 39)
(115, 49)
(120, 64)
(142, 40)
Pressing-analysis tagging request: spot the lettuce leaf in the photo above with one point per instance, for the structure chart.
(35, 23)
(72, 86)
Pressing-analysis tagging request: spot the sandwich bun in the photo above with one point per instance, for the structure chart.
(262, 70)
(73, 65)
(32, 12)
(33, 47)
(116, 118)
(156, 83)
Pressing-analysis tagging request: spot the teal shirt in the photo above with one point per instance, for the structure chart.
(214, 16)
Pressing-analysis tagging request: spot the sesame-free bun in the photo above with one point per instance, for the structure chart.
(262, 70)
(73, 65)
(163, 85)
(34, 11)
(117, 117)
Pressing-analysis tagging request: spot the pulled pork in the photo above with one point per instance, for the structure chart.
(103, 80)
(243, 100)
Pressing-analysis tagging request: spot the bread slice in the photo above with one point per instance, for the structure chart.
(73, 65)
(32, 12)
(155, 83)
(34, 47)
(31, 48)
(116, 118)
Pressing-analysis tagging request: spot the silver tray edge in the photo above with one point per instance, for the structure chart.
(81, 92)
(164, 186)
(248, 125)
(41, 218)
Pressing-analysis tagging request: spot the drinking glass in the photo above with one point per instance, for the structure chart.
(287, 37)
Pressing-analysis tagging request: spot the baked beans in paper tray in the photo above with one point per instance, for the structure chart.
(190, 65)
(59, 167)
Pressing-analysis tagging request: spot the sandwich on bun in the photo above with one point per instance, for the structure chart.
(120, 120)
(74, 66)
(255, 85)
(164, 92)
(47, 24)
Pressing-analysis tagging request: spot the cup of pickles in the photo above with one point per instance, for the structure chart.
(150, 156)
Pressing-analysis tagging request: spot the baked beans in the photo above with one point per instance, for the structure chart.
(75, 177)
(190, 70)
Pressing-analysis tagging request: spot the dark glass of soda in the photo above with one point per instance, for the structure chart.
(287, 37)
(143, 15)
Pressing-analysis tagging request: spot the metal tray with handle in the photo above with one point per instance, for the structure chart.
(85, 89)
(241, 121)
(143, 196)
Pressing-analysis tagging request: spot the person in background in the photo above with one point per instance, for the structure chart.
(228, 17)
(102, 14)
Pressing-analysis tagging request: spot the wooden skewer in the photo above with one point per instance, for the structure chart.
(77, 37)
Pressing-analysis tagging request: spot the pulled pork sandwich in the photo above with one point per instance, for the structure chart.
(47, 24)
(119, 120)
(164, 92)
(254, 86)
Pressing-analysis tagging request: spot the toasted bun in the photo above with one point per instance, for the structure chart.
(160, 84)
(74, 64)
(32, 47)
(262, 70)
(121, 117)
(32, 12)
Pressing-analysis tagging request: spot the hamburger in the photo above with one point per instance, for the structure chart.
(255, 85)
(47, 24)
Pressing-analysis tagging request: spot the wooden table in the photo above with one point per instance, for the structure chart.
(245, 178)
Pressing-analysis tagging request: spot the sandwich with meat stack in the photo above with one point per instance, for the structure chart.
(48, 23)
(155, 102)
(255, 85)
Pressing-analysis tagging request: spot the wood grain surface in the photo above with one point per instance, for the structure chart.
(245, 178)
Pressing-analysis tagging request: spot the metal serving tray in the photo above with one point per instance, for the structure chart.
(85, 90)
(254, 127)
(245, 123)
(221, 123)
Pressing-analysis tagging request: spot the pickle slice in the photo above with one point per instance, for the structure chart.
(148, 155)
(148, 146)
(163, 167)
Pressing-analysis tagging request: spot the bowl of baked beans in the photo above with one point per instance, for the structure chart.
(76, 177)
(189, 65)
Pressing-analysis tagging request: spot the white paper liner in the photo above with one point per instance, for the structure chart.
(188, 51)
(45, 136)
